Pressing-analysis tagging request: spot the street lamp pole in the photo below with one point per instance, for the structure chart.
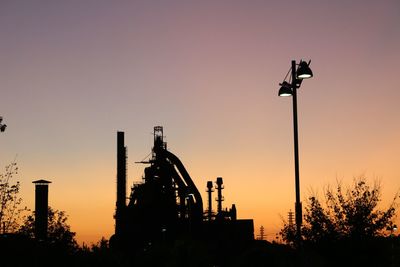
(297, 76)
(298, 207)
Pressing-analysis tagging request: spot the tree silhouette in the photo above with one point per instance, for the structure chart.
(59, 232)
(10, 202)
(2, 126)
(349, 214)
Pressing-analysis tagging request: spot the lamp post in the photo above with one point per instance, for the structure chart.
(290, 89)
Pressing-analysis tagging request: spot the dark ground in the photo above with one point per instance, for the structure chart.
(18, 251)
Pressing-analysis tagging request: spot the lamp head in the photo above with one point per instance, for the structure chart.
(285, 90)
(304, 71)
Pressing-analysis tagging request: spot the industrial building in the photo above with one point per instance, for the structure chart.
(166, 205)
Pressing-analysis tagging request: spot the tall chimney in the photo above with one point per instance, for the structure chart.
(220, 198)
(121, 183)
(209, 192)
(41, 208)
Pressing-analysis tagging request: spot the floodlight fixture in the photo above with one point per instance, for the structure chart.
(304, 71)
(285, 90)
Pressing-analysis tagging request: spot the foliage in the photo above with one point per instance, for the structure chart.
(10, 211)
(350, 214)
(288, 233)
(101, 245)
(59, 232)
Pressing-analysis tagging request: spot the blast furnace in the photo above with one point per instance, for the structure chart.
(166, 205)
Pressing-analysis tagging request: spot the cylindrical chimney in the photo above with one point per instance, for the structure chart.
(41, 208)
(209, 191)
(121, 183)
(220, 198)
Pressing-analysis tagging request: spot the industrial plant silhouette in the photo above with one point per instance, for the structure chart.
(167, 205)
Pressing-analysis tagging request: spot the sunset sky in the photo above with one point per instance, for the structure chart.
(73, 73)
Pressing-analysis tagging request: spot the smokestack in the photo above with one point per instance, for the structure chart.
(220, 198)
(209, 192)
(233, 213)
(41, 208)
(121, 182)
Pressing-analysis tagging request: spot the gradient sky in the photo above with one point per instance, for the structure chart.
(72, 73)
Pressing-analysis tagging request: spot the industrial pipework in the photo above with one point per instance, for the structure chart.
(163, 205)
(220, 198)
(166, 204)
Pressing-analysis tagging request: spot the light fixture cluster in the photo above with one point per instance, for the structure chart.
(303, 71)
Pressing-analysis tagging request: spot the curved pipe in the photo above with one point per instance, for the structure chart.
(186, 177)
